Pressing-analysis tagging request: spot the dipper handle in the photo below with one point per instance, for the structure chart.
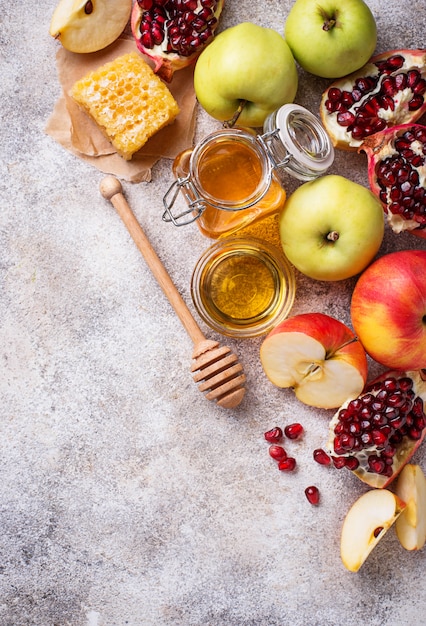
(112, 190)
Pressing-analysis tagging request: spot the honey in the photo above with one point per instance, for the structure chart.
(230, 171)
(235, 182)
(242, 287)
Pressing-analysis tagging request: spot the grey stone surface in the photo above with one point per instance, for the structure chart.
(127, 498)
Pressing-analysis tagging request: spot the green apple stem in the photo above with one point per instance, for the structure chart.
(230, 123)
(329, 21)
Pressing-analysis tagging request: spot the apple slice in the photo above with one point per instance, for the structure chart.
(89, 25)
(411, 525)
(365, 524)
(316, 355)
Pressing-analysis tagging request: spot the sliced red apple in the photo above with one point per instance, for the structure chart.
(316, 355)
(411, 525)
(89, 25)
(366, 522)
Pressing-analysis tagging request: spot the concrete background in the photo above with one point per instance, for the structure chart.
(126, 497)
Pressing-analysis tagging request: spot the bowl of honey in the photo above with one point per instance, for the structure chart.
(243, 287)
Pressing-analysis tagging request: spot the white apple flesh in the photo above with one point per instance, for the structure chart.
(84, 26)
(366, 522)
(411, 524)
(331, 38)
(331, 228)
(318, 357)
(249, 67)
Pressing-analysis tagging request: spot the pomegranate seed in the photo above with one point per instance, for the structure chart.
(274, 435)
(313, 495)
(321, 457)
(293, 431)
(287, 465)
(277, 452)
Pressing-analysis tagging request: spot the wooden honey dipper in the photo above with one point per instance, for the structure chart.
(215, 367)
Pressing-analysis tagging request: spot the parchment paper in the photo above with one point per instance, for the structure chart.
(77, 132)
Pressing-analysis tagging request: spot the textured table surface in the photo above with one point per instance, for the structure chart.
(126, 497)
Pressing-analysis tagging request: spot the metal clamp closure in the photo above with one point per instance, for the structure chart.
(196, 204)
(275, 149)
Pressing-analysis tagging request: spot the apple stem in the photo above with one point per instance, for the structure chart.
(329, 24)
(343, 345)
(333, 236)
(230, 123)
(423, 374)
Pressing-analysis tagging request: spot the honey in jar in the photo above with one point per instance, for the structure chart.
(228, 180)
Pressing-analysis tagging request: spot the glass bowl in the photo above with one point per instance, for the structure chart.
(243, 287)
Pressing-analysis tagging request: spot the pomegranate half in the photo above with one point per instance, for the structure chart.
(375, 434)
(397, 175)
(388, 91)
(174, 32)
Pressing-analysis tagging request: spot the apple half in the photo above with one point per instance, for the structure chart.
(316, 355)
(366, 522)
(411, 524)
(84, 26)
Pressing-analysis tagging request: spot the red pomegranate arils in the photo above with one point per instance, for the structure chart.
(321, 457)
(293, 431)
(274, 435)
(287, 465)
(397, 158)
(376, 433)
(277, 452)
(313, 495)
(391, 92)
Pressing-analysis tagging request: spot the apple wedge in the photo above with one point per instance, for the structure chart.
(365, 524)
(89, 25)
(318, 357)
(411, 524)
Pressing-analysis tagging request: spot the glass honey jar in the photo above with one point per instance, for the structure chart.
(233, 177)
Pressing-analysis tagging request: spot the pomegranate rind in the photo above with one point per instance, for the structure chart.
(341, 137)
(380, 146)
(167, 63)
(405, 449)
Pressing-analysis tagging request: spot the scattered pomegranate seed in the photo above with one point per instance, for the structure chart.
(277, 452)
(274, 435)
(313, 494)
(321, 457)
(287, 465)
(293, 431)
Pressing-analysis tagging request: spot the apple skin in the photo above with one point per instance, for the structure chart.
(325, 371)
(245, 62)
(368, 519)
(317, 209)
(411, 524)
(388, 310)
(340, 50)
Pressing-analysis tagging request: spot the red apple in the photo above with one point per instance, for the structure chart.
(388, 310)
(316, 355)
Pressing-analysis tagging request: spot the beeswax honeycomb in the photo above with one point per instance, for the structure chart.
(127, 101)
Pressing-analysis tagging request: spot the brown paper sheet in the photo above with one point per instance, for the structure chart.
(77, 132)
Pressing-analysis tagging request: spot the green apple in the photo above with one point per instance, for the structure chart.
(331, 228)
(245, 66)
(331, 38)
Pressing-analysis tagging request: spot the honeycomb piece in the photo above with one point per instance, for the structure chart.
(127, 101)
